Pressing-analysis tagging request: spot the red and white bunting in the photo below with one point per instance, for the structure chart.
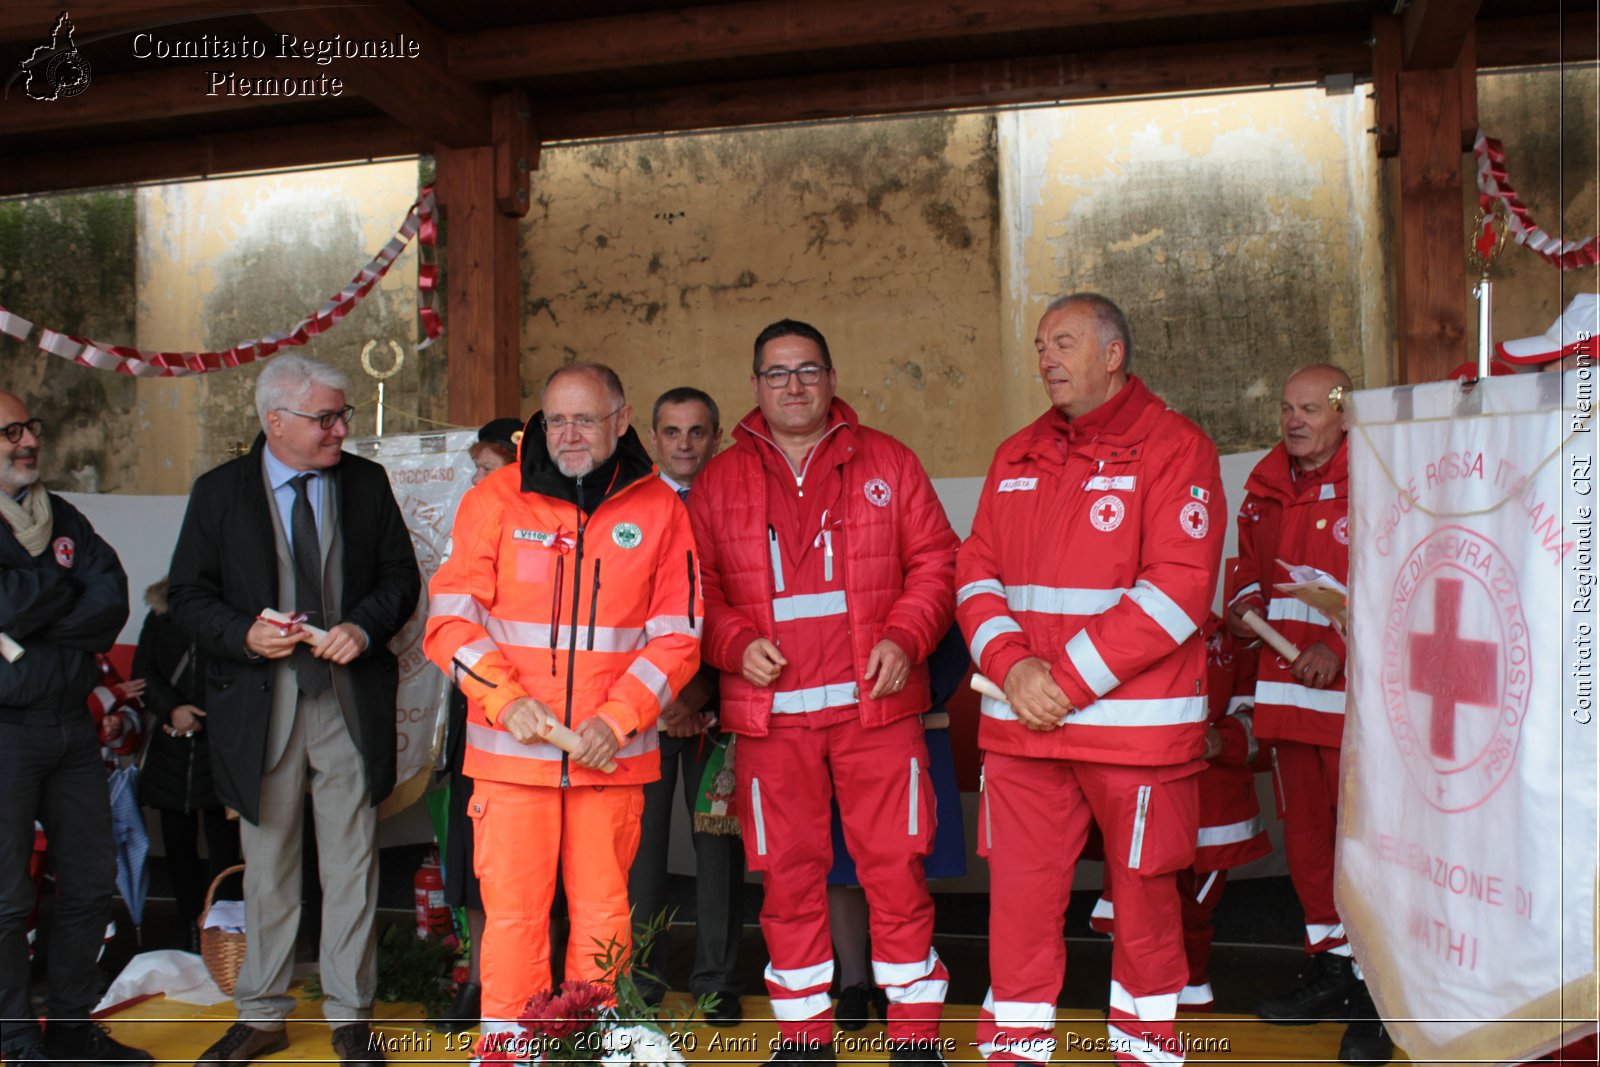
(1493, 186)
(122, 359)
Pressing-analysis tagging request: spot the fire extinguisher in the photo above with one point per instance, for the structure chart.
(433, 914)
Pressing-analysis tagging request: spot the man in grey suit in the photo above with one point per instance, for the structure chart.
(300, 526)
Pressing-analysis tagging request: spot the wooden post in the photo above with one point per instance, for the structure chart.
(483, 289)
(1433, 259)
(1425, 71)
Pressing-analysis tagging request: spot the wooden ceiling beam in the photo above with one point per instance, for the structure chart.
(1434, 32)
(209, 155)
(99, 19)
(166, 92)
(1040, 79)
(418, 90)
(772, 27)
(1573, 37)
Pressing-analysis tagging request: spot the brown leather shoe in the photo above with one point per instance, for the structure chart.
(243, 1043)
(357, 1045)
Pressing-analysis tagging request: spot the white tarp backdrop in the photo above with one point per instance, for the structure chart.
(1467, 856)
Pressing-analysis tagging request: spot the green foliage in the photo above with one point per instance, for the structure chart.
(411, 970)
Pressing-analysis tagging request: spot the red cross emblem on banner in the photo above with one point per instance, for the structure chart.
(1450, 669)
(1457, 667)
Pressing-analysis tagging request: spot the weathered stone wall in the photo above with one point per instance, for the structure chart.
(1547, 123)
(1245, 234)
(1241, 234)
(665, 258)
(230, 260)
(66, 262)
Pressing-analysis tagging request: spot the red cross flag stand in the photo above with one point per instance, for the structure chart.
(1466, 868)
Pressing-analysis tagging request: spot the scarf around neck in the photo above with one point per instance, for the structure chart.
(31, 521)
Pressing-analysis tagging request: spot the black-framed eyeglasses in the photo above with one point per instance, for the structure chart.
(778, 377)
(14, 431)
(326, 419)
(584, 424)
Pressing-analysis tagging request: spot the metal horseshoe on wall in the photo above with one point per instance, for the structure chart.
(366, 365)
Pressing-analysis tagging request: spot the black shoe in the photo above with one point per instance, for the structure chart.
(89, 1043)
(1331, 981)
(1365, 1039)
(26, 1052)
(243, 1043)
(916, 1054)
(797, 1052)
(725, 1010)
(356, 1046)
(851, 1013)
(464, 1011)
(880, 1002)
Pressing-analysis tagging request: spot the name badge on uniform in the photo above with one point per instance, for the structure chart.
(1017, 485)
(538, 537)
(1124, 482)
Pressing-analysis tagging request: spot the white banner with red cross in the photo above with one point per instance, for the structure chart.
(1467, 850)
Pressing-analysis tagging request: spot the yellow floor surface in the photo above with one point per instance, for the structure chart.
(178, 1033)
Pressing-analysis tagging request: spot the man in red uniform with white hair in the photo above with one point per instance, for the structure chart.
(1090, 570)
(1296, 510)
(829, 568)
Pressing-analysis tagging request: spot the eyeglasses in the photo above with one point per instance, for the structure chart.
(14, 431)
(778, 377)
(584, 424)
(326, 419)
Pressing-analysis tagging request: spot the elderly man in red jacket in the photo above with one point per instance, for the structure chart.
(829, 568)
(1082, 590)
(1297, 509)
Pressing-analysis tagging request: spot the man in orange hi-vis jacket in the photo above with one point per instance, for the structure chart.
(570, 598)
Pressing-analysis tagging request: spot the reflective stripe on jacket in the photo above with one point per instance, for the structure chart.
(1303, 521)
(535, 601)
(1098, 553)
(899, 564)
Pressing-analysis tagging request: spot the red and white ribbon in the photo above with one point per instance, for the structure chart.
(122, 359)
(1493, 186)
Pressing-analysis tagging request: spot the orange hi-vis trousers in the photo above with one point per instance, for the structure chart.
(520, 834)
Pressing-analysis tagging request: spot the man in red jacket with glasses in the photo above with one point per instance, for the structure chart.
(829, 568)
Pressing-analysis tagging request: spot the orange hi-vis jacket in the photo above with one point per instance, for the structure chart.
(583, 594)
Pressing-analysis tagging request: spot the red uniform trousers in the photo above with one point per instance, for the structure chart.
(520, 834)
(886, 805)
(1305, 779)
(1199, 893)
(1034, 821)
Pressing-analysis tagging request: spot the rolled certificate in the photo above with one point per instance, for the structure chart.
(988, 688)
(313, 635)
(566, 740)
(10, 649)
(1280, 644)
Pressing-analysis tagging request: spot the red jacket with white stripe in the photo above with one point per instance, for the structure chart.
(1094, 549)
(1231, 829)
(1303, 519)
(898, 562)
(590, 609)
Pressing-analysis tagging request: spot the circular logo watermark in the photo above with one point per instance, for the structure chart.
(1457, 667)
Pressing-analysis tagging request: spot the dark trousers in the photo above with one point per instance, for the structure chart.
(192, 876)
(719, 874)
(53, 772)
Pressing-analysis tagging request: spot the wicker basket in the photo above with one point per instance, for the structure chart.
(222, 950)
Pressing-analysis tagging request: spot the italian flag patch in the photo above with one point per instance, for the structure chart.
(1200, 494)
